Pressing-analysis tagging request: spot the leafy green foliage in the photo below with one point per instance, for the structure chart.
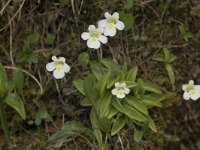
(84, 58)
(110, 114)
(16, 103)
(27, 55)
(167, 58)
(42, 115)
(128, 20)
(33, 38)
(138, 135)
(70, 128)
(183, 34)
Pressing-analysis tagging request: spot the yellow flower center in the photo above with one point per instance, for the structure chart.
(110, 25)
(189, 88)
(121, 92)
(58, 68)
(94, 39)
(193, 93)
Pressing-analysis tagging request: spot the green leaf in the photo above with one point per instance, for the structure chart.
(166, 54)
(84, 58)
(69, 129)
(79, 85)
(111, 65)
(96, 69)
(151, 87)
(132, 73)
(129, 84)
(111, 112)
(170, 73)
(119, 123)
(104, 104)
(152, 125)
(16, 103)
(98, 136)
(89, 88)
(103, 82)
(137, 104)
(93, 119)
(128, 20)
(159, 57)
(133, 113)
(128, 4)
(112, 80)
(18, 79)
(152, 100)
(138, 135)
(105, 124)
(4, 122)
(73, 126)
(33, 38)
(195, 10)
(49, 39)
(140, 89)
(59, 135)
(85, 102)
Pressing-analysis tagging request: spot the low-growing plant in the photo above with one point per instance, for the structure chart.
(117, 98)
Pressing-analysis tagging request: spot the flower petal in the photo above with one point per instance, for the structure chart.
(91, 27)
(127, 91)
(50, 66)
(58, 74)
(92, 44)
(103, 39)
(102, 23)
(62, 59)
(120, 95)
(191, 82)
(194, 94)
(186, 96)
(85, 35)
(66, 68)
(114, 92)
(184, 87)
(116, 15)
(54, 58)
(107, 15)
(123, 84)
(110, 32)
(117, 84)
(119, 25)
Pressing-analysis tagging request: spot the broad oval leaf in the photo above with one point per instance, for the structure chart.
(104, 104)
(111, 65)
(151, 87)
(18, 79)
(102, 83)
(119, 123)
(137, 104)
(16, 103)
(79, 85)
(84, 58)
(105, 124)
(138, 135)
(132, 73)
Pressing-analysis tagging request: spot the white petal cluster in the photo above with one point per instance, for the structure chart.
(107, 26)
(111, 24)
(191, 91)
(94, 37)
(120, 90)
(58, 66)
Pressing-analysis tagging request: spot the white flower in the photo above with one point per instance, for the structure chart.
(94, 37)
(191, 91)
(58, 66)
(111, 23)
(120, 90)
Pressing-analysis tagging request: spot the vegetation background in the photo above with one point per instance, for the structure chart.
(31, 31)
